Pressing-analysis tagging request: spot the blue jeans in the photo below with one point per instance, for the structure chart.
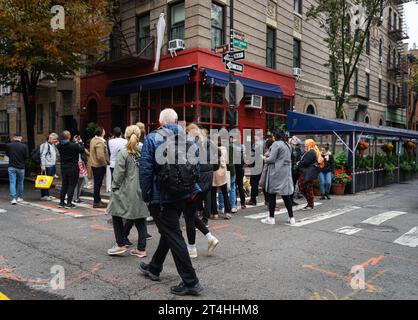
(232, 195)
(325, 181)
(16, 175)
(50, 171)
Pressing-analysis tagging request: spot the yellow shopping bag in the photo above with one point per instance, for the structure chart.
(43, 182)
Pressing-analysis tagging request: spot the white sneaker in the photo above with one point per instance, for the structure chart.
(149, 219)
(19, 199)
(46, 198)
(212, 243)
(192, 252)
(221, 211)
(291, 221)
(268, 220)
(116, 250)
(234, 210)
(13, 202)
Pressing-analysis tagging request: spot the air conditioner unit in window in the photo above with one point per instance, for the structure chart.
(175, 45)
(254, 101)
(297, 72)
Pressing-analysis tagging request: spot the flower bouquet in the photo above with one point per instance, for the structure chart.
(409, 146)
(388, 147)
(362, 146)
(341, 179)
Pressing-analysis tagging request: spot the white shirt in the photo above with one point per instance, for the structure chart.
(115, 146)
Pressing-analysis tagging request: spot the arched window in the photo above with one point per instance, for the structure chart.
(367, 119)
(389, 57)
(310, 109)
(92, 111)
(381, 122)
(394, 57)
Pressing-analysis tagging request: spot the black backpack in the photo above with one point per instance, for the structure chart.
(36, 154)
(180, 177)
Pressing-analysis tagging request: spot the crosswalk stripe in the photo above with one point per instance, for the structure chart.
(92, 199)
(409, 239)
(348, 230)
(281, 211)
(385, 216)
(44, 207)
(3, 211)
(324, 216)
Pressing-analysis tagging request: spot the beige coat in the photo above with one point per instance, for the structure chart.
(99, 156)
(220, 177)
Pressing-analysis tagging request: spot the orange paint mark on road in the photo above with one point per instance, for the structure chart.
(52, 219)
(100, 227)
(372, 261)
(219, 227)
(84, 275)
(370, 287)
(389, 255)
(8, 273)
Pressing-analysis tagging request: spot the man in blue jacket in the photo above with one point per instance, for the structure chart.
(166, 210)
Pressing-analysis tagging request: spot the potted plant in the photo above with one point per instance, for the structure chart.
(341, 179)
(362, 147)
(388, 147)
(409, 146)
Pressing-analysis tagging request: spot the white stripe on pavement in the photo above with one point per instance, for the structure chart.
(409, 239)
(348, 230)
(266, 214)
(385, 216)
(92, 199)
(324, 216)
(60, 211)
(3, 211)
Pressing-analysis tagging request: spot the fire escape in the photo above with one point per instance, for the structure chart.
(119, 54)
(398, 66)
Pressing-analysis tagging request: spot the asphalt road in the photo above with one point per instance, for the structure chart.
(311, 260)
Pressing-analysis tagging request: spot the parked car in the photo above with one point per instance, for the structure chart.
(4, 162)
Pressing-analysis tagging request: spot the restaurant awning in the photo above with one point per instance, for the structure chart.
(171, 78)
(221, 79)
(302, 123)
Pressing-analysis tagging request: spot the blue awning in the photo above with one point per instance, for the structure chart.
(265, 89)
(160, 80)
(303, 123)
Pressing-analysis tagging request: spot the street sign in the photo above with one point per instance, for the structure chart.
(240, 44)
(239, 91)
(239, 36)
(231, 56)
(234, 66)
(222, 49)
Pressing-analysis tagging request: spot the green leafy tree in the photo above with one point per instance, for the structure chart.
(30, 48)
(347, 24)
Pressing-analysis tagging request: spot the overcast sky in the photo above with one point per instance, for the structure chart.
(411, 16)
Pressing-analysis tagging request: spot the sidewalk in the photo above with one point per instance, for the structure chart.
(56, 184)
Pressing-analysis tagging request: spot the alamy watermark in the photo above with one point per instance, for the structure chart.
(358, 278)
(204, 150)
(58, 20)
(57, 280)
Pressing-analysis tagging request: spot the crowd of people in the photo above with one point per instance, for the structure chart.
(144, 187)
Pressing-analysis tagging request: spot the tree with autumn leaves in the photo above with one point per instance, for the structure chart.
(30, 49)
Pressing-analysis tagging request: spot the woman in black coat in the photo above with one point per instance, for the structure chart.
(308, 168)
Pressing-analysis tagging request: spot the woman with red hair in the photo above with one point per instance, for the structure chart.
(308, 168)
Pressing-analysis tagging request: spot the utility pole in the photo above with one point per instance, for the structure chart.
(232, 87)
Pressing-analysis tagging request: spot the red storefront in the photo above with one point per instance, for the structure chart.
(193, 84)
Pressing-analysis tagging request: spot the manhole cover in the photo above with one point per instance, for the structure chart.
(376, 228)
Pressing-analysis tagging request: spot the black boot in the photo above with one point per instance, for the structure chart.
(322, 197)
(327, 196)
